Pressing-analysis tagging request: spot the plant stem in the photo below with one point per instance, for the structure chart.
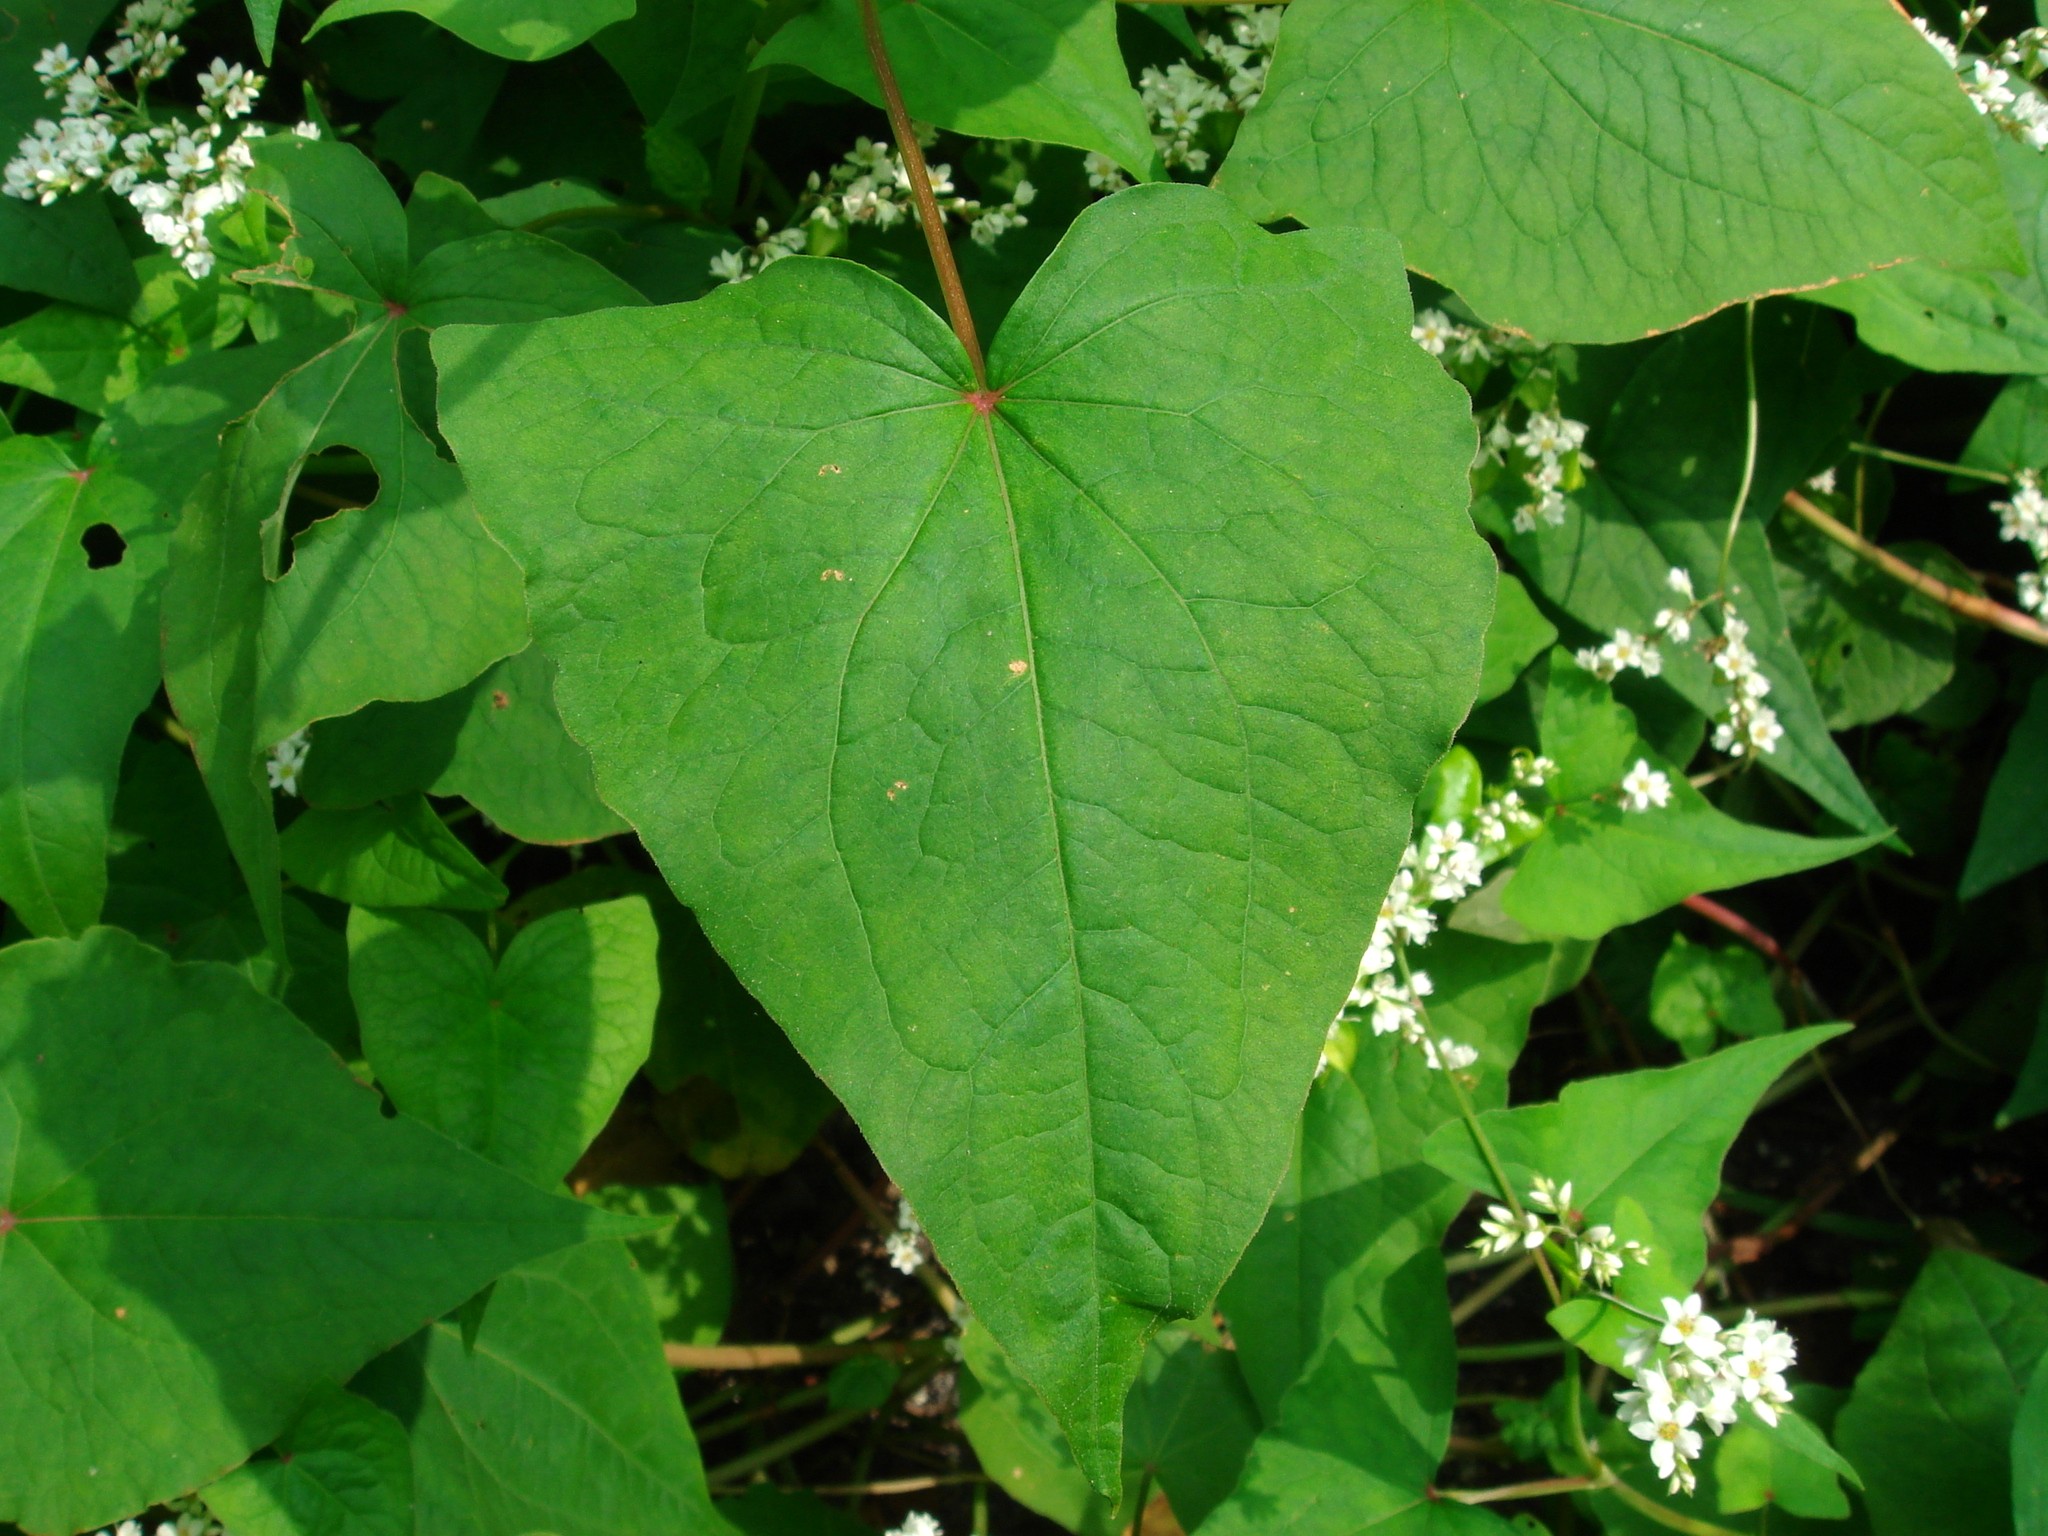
(733, 144)
(1493, 1354)
(1663, 1514)
(790, 1443)
(1493, 1164)
(928, 213)
(1749, 443)
(1942, 466)
(775, 1357)
(1968, 604)
(1494, 1288)
(894, 1485)
(1542, 1487)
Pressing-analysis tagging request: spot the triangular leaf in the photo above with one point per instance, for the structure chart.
(202, 1218)
(1037, 758)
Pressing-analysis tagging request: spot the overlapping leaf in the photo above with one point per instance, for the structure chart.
(2012, 832)
(1669, 444)
(1597, 171)
(1339, 1310)
(1600, 865)
(406, 598)
(1036, 758)
(561, 1415)
(514, 29)
(342, 1469)
(1643, 1153)
(1000, 69)
(205, 1218)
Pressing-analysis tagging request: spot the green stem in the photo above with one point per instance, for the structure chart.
(1663, 1514)
(1940, 466)
(732, 147)
(1749, 443)
(767, 1455)
(1542, 1487)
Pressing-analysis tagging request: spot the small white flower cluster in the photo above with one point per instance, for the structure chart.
(191, 1520)
(1746, 723)
(870, 185)
(906, 1254)
(286, 761)
(1998, 86)
(918, 1523)
(1179, 99)
(2024, 520)
(1548, 450)
(176, 175)
(1469, 345)
(1693, 1370)
(1643, 787)
(1445, 864)
(1548, 1216)
(1552, 443)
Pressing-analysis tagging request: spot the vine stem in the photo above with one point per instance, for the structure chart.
(775, 1357)
(1941, 466)
(921, 189)
(1538, 1489)
(1749, 445)
(1982, 609)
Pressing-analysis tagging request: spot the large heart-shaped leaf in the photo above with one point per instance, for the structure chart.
(1037, 756)
(1592, 170)
(202, 1218)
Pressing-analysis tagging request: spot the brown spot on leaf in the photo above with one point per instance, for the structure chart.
(500, 699)
(831, 573)
(1019, 667)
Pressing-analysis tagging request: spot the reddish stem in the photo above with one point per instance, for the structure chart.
(927, 205)
(1743, 929)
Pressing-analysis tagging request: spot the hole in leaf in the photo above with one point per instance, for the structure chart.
(103, 546)
(333, 481)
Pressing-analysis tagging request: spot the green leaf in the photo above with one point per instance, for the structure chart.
(2030, 1092)
(69, 250)
(1598, 866)
(392, 854)
(1700, 991)
(998, 69)
(523, 1063)
(736, 1094)
(207, 1219)
(765, 1510)
(78, 663)
(2014, 433)
(680, 58)
(513, 29)
(2030, 1461)
(2012, 829)
(90, 359)
(963, 730)
(406, 598)
(1669, 449)
(1339, 1309)
(561, 1417)
(1188, 1422)
(1971, 316)
(497, 742)
(263, 16)
(1517, 636)
(1757, 1469)
(342, 1469)
(687, 1264)
(173, 883)
(1873, 646)
(1629, 171)
(1930, 1422)
(1643, 1153)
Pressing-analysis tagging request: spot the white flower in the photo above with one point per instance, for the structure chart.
(1445, 1055)
(904, 1254)
(1502, 1231)
(1547, 1195)
(1433, 331)
(286, 760)
(1940, 44)
(1532, 771)
(1687, 1327)
(1643, 787)
(1665, 1421)
(918, 1523)
(1104, 174)
(1824, 482)
(1679, 580)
